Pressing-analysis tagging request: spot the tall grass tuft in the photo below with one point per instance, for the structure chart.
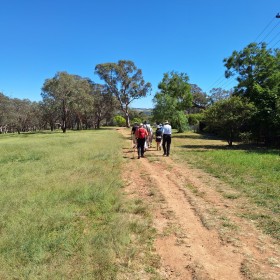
(59, 204)
(253, 171)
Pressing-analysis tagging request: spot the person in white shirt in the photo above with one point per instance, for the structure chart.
(166, 140)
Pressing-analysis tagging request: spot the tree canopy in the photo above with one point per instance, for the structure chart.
(173, 99)
(228, 116)
(258, 75)
(68, 93)
(125, 81)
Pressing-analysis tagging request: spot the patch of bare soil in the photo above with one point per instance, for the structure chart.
(200, 232)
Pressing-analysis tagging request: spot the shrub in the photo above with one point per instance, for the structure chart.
(119, 121)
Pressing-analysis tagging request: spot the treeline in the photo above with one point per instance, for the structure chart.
(249, 112)
(73, 102)
(18, 115)
(252, 113)
(68, 102)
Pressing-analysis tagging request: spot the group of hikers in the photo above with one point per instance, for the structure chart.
(142, 136)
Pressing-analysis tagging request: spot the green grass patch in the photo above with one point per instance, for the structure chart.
(253, 171)
(60, 203)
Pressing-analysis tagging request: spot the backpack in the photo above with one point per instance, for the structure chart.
(134, 128)
(158, 132)
(148, 128)
(141, 133)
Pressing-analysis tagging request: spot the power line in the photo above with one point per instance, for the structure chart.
(270, 31)
(277, 16)
(273, 38)
(222, 84)
(264, 29)
(228, 82)
(220, 80)
(276, 43)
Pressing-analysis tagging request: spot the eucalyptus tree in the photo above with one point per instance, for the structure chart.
(21, 117)
(200, 99)
(82, 106)
(104, 104)
(5, 112)
(36, 116)
(50, 111)
(226, 117)
(258, 75)
(217, 94)
(173, 99)
(18, 115)
(125, 81)
(66, 91)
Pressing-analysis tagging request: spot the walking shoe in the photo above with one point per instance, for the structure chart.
(138, 157)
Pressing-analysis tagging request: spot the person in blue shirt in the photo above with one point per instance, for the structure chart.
(166, 138)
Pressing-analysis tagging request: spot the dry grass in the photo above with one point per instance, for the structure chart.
(252, 172)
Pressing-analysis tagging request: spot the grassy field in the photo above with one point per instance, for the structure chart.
(253, 171)
(63, 215)
(61, 210)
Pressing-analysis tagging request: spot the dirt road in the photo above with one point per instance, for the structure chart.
(200, 234)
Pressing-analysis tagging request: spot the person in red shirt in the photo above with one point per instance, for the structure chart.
(141, 135)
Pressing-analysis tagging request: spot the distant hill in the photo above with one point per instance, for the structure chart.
(144, 110)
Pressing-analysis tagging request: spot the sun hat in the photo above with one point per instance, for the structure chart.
(166, 121)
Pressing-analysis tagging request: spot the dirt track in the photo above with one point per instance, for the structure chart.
(199, 233)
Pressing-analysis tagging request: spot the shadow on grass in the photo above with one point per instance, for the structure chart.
(196, 136)
(248, 148)
(263, 150)
(200, 148)
(49, 132)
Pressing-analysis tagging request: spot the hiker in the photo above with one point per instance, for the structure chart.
(166, 139)
(158, 137)
(141, 135)
(150, 135)
(133, 130)
(149, 139)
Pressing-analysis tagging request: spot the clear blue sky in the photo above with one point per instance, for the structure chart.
(41, 37)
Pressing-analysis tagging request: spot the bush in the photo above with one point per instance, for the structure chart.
(194, 119)
(179, 121)
(136, 120)
(119, 121)
(246, 137)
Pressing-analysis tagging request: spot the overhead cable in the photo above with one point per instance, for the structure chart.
(264, 29)
(270, 31)
(219, 81)
(276, 43)
(273, 38)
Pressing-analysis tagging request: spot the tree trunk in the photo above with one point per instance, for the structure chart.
(64, 116)
(52, 125)
(230, 139)
(98, 123)
(63, 126)
(127, 120)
